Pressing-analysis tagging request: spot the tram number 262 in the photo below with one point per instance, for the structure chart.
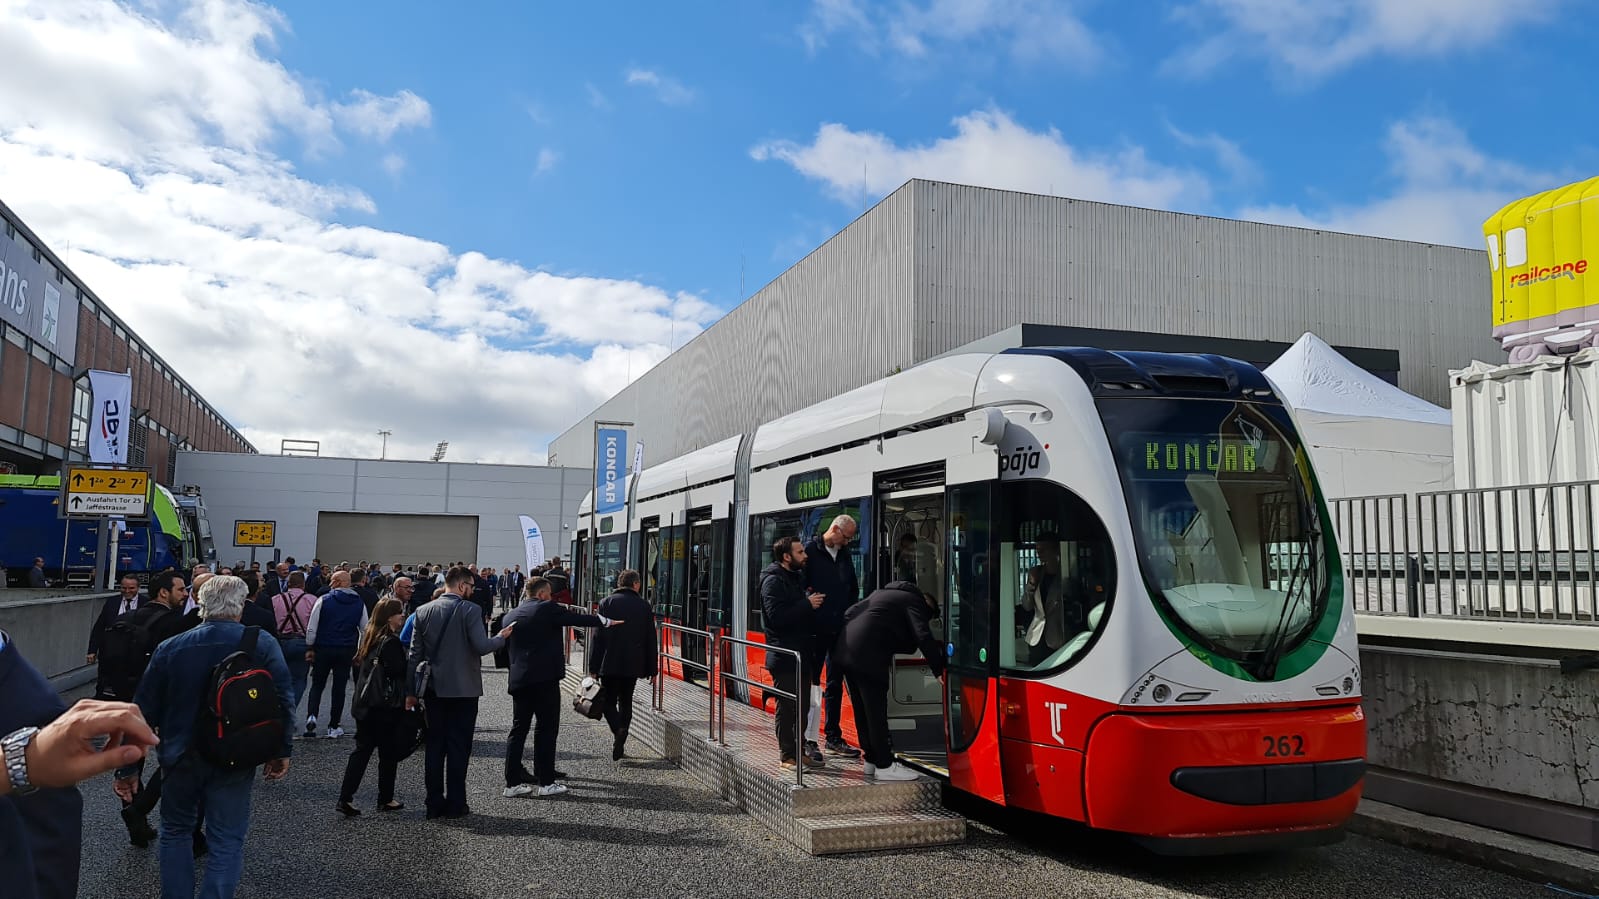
(1284, 746)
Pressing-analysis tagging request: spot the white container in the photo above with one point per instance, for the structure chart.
(1527, 423)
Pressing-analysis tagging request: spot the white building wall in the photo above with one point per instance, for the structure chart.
(292, 490)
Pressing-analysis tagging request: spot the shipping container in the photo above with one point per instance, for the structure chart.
(1527, 423)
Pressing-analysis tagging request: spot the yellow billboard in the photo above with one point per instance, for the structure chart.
(1540, 249)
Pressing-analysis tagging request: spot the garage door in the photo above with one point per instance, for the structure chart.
(406, 539)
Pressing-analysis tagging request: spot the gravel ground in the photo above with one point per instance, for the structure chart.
(648, 829)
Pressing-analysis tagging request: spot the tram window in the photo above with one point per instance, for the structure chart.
(764, 531)
(1056, 575)
(608, 564)
(674, 551)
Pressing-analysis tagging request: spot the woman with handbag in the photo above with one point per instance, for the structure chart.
(379, 708)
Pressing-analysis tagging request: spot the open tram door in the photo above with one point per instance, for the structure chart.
(952, 562)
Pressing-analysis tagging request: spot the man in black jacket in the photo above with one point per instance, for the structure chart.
(830, 571)
(358, 583)
(537, 667)
(622, 655)
(892, 620)
(789, 614)
(117, 605)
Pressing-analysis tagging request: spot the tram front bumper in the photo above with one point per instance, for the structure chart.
(1226, 780)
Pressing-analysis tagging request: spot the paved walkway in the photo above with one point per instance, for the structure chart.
(647, 829)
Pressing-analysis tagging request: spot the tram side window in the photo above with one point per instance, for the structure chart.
(860, 547)
(1056, 575)
(764, 531)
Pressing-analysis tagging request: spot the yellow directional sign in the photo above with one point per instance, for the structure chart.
(103, 492)
(254, 533)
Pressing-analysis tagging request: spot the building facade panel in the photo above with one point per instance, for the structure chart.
(990, 259)
(13, 371)
(294, 491)
(838, 318)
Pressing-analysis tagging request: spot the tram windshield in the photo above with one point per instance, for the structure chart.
(1230, 539)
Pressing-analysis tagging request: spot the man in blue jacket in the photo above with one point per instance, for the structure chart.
(537, 667)
(830, 571)
(331, 636)
(171, 695)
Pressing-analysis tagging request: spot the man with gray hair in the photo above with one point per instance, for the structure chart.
(830, 571)
(171, 696)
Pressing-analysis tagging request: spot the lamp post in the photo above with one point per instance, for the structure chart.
(385, 452)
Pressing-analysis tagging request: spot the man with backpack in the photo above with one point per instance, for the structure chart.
(219, 697)
(126, 648)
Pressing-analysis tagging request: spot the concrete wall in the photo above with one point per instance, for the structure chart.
(52, 632)
(291, 490)
(1514, 725)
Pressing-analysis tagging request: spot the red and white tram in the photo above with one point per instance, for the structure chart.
(1143, 605)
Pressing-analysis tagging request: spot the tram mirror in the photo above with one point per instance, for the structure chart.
(989, 425)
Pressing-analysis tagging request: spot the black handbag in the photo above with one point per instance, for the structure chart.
(590, 699)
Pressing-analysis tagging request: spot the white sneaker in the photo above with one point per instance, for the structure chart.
(310, 726)
(517, 791)
(871, 770)
(554, 789)
(335, 732)
(896, 772)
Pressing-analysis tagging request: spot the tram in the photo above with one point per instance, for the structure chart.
(1143, 606)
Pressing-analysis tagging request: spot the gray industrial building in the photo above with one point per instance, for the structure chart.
(383, 511)
(935, 267)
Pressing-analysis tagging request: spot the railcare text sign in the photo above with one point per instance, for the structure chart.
(610, 471)
(254, 533)
(104, 492)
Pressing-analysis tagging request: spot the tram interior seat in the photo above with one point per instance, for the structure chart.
(1072, 647)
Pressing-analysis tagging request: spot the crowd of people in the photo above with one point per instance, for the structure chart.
(206, 672)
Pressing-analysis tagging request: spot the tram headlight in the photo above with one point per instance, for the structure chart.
(1161, 693)
(1349, 685)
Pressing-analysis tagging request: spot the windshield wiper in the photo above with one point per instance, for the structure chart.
(1278, 645)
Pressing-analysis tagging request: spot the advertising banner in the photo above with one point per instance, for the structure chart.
(111, 394)
(610, 471)
(535, 542)
(31, 301)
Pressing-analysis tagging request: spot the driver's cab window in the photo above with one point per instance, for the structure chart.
(1056, 575)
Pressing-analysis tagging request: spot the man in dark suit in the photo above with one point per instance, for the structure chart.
(622, 655)
(788, 612)
(117, 605)
(537, 667)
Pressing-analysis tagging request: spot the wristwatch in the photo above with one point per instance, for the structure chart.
(15, 747)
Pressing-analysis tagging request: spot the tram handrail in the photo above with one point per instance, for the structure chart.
(658, 700)
(799, 714)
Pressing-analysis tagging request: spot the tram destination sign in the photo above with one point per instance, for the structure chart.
(254, 533)
(88, 492)
(810, 486)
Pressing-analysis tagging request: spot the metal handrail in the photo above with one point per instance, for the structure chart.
(799, 679)
(658, 700)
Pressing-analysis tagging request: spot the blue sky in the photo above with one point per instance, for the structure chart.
(543, 194)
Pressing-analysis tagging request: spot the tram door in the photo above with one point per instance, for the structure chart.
(910, 547)
(700, 562)
(971, 634)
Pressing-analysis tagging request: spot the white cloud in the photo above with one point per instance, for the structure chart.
(991, 150)
(597, 98)
(1230, 158)
(547, 160)
(1031, 30)
(142, 147)
(1444, 187)
(370, 115)
(394, 164)
(667, 89)
(1314, 38)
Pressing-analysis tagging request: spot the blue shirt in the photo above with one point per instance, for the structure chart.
(174, 685)
(408, 629)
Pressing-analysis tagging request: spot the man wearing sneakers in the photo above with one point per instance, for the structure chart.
(789, 613)
(892, 620)
(830, 571)
(331, 636)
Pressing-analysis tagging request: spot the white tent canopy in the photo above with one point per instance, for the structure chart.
(1366, 436)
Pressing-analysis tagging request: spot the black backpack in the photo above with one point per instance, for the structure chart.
(241, 719)
(125, 651)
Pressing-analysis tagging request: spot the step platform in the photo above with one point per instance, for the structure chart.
(837, 810)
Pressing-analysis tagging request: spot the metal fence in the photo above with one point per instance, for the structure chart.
(1503, 553)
